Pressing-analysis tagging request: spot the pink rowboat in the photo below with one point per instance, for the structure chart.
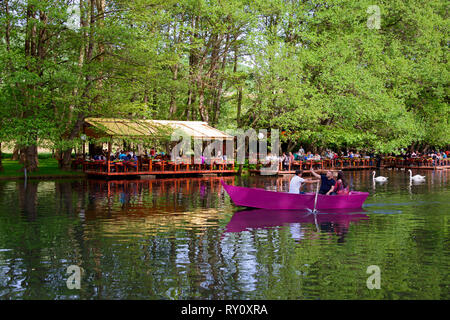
(264, 199)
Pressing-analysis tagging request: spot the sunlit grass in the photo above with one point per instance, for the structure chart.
(47, 167)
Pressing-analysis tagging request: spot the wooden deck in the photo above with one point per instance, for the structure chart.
(150, 168)
(357, 164)
(416, 164)
(421, 167)
(147, 167)
(167, 172)
(320, 166)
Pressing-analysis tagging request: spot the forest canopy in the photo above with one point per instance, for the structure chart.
(338, 74)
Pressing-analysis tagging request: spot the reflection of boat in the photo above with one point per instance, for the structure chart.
(262, 218)
(263, 199)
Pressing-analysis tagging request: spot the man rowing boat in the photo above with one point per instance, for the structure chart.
(327, 184)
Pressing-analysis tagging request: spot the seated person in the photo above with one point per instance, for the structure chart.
(295, 184)
(341, 186)
(122, 156)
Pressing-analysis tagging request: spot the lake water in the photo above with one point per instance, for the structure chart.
(184, 239)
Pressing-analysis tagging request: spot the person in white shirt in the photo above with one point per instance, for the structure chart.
(270, 159)
(296, 182)
(301, 151)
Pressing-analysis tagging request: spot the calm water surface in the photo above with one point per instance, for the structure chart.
(184, 239)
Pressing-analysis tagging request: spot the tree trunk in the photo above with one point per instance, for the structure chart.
(34, 51)
(65, 161)
(219, 88)
(1, 164)
(291, 146)
(85, 55)
(15, 155)
(193, 61)
(190, 105)
(239, 106)
(201, 106)
(239, 89)
(239, 173)
(7, 39)
(173, 100)
(8, 27)
(57, 154)
(155, 100)
(29, 158)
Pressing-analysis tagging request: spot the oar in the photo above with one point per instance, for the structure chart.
(315, 221)
(317, 193)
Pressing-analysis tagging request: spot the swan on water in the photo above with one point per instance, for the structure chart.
(379, 178)
(417, 177)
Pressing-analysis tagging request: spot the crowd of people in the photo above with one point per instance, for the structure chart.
(286, 158)
(327, 154)
(436, 156)
(432, 154)
(121, 155)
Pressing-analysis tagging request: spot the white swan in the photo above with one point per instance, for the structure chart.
(379, 178)
(417, 177)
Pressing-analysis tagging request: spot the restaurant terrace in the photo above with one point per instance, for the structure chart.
(116, 130)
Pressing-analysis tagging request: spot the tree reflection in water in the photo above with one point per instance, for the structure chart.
(182, 238)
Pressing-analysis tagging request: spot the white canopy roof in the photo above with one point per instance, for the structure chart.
(127, 127)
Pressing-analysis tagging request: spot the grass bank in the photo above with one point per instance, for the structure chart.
(48, 168)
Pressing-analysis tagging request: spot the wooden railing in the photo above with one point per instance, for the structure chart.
(142, 166)
(148, 166)
(360, 163)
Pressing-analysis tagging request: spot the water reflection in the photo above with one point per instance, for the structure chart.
(144, 207)
(183, 239)
(337, 221)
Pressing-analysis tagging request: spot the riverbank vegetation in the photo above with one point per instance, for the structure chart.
(48, 168)
(315, 70)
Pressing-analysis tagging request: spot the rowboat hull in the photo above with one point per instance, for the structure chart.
(264, 199)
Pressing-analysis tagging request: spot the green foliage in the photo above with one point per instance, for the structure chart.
(334, 81)
(313, 70)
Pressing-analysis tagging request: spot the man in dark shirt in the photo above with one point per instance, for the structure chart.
(327, 182)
